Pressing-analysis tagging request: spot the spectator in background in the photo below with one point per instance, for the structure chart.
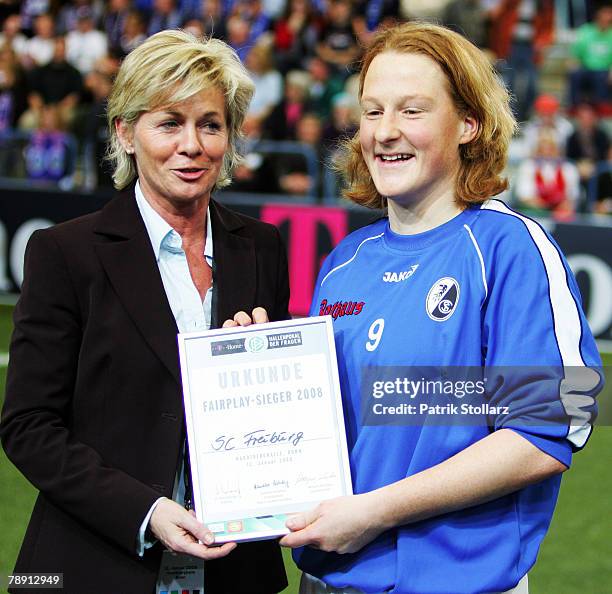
(8, 8)
(108, 65)
(195, 27)
(165, 15)
(39, 49)
(351, 88)
(547, 181)
(70, 13)
(546, 116)
(210, 14)
(370, 15)
(469, 18)
(323, 88)
(292, 170)
(295, 35)
(30, 10)
(268, 81)
(590, 75)
(134, 32)
(114, 20)
(190, 9)
(12, 92)
(282, 121)
(99, 84)
(589, 144)
(58, 83)
(85, 45)
(238, 36)
(253, 13)
(49, 156)
(344, 122)
(337, 44)
(11, 34)
(520, 31)
(256, 173)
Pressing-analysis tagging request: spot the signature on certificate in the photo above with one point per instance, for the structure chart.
(274, 484)
(257, 438)
(316, 478)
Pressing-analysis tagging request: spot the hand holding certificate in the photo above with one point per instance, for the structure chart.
(265, 425)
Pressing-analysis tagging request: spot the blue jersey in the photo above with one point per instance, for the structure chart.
(488, 288)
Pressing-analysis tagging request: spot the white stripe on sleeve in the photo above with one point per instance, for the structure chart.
(567, 328)
(482, 264)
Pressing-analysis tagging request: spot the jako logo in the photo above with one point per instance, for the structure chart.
(396, 277)
(442, 299)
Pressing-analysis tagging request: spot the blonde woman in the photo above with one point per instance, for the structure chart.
(93, 415)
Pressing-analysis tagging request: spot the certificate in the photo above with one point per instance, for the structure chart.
(264, 424)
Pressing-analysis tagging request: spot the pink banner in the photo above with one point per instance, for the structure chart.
(304, 259)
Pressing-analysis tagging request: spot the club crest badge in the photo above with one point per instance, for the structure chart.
(442, 299)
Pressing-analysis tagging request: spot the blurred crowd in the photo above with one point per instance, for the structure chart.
(58, 59)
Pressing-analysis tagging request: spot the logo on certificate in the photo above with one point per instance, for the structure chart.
(234, 526)
(255, 344)
(285, 339)
(227, 347)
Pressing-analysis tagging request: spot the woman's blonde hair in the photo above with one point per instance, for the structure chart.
(474, 88)
(167, 68)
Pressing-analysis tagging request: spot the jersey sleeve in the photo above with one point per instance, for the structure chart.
(543, 368)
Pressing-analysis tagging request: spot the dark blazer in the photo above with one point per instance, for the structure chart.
(93, 415)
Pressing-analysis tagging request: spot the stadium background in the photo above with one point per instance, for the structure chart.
(45, 182)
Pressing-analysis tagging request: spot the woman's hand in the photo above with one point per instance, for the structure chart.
(179, 531)
(501, 463)
(258, 316)
(341, 525)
